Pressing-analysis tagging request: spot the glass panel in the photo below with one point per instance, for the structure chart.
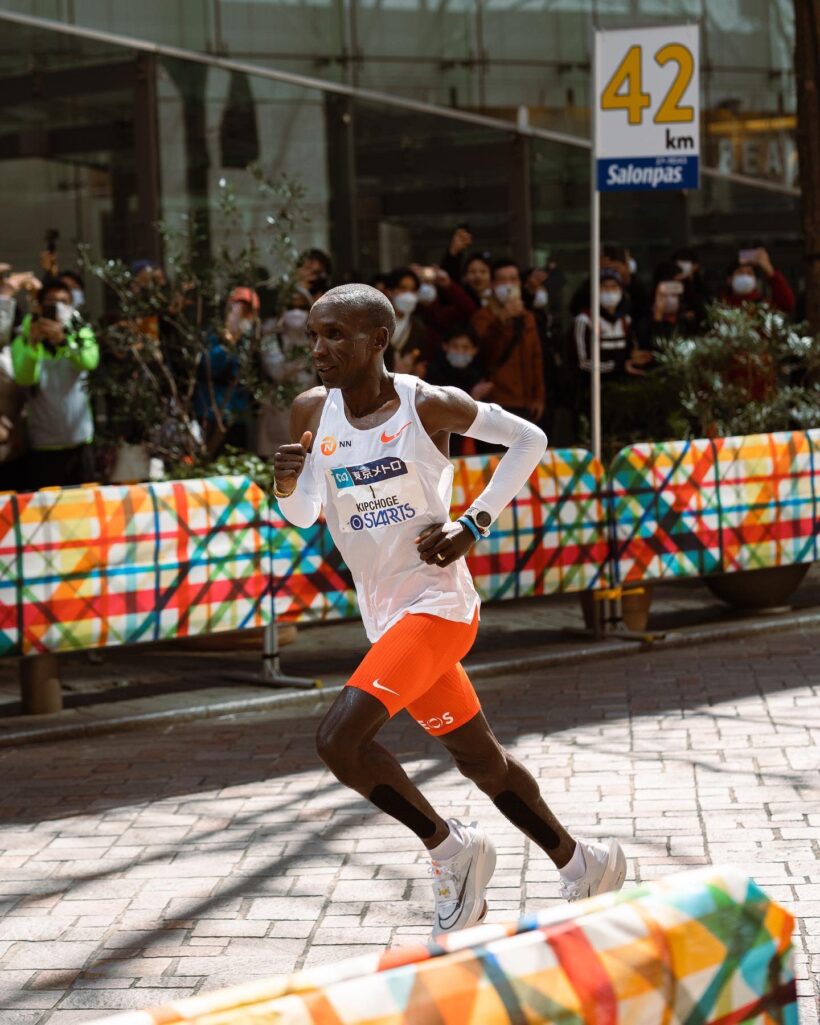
(67, 156)
(418, 176)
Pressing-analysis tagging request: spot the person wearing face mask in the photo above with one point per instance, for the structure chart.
(695, 289)
(52, 356)
(442, 304)
(676, 309)
(457, 364)
(510, 345)
(619, 354)
(76, 284)
(223, 406)
(413, 342)
(753, 279)
(285, 358)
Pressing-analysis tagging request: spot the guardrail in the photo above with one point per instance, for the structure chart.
(96, 566)
(705, 946)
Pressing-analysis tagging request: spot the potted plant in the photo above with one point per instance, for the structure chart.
(751, 371)
(157, 393)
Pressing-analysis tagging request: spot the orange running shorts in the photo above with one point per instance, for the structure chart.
(417, 665)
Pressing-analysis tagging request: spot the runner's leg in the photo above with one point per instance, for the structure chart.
(512, 789)
(345, 742)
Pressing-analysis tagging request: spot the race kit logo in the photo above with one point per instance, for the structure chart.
(330, 444)
(362, 507)
(435, 722)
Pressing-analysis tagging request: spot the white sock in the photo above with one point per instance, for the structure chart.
(575, 867)
(449, 846)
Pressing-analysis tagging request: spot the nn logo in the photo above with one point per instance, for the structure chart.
(330, 444)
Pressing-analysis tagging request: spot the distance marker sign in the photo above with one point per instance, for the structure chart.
(647, 116)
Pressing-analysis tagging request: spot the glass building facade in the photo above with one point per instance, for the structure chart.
(410, 117)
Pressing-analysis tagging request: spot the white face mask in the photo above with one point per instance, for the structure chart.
(78, 297)
(743, 284)
(405, 303)
(65, 313)
(610, 298)
(504, 292)
(8, 307)
(686, 268)
(427, 293)
(540, 299)
(632, 263)
(245, 326)
(459, 359)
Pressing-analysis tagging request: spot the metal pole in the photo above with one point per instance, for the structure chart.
(594, 264)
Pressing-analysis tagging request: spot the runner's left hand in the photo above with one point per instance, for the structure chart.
(450, 540)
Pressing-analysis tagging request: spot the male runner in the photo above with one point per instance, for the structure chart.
(380, 471)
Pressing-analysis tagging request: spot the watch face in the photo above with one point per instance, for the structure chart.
(483, 519)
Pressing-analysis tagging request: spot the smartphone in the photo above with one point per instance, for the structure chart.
(747, 256)
(52, 237)
(428, 274)
(671, 288)
(50, 312)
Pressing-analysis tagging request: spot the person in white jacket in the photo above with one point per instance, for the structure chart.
(379, 469)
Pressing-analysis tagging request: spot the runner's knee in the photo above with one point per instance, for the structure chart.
(338, 754)
(486, 768)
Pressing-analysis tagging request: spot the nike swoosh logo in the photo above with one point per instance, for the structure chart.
(375, 684)
(459, 905)
(386, 438)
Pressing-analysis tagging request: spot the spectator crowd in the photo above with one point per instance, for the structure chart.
(475, 321)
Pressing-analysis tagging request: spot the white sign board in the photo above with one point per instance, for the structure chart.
(647, 108)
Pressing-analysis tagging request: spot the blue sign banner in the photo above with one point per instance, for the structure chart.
(652, 173)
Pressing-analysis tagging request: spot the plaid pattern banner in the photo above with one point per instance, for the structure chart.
(552, 539)
(693, 508)
(702, 948)
(91, 567)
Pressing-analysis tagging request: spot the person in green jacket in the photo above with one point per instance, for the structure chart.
(51, 357)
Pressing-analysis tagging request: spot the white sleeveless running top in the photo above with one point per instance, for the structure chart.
(380, 488)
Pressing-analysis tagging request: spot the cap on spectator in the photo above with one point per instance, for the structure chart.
(245, 295)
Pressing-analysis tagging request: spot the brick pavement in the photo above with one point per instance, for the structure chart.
(143, 865)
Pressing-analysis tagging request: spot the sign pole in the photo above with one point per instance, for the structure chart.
(595, 263)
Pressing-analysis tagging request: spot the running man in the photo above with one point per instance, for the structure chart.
(379, 469)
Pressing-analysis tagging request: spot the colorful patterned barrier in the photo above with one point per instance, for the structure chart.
(703, 948)
(551, 540)
(694, 508)
(90, 567)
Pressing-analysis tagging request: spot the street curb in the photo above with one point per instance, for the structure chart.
(479, 671)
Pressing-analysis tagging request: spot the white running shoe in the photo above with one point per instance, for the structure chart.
(606, 870)
(459, 883)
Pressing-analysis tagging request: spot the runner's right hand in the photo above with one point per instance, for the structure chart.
(289, 461)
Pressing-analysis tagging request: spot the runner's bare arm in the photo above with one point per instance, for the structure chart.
(447, 409)
(296, 488)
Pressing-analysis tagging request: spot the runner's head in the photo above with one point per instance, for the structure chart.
(349, 328)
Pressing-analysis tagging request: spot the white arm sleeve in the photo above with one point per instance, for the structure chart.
(302, 508)
(525, 445)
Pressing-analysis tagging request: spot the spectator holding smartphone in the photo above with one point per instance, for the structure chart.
(753, 279)
(510, 345)
(52, 356)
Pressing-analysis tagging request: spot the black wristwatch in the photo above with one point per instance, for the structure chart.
(481, 519)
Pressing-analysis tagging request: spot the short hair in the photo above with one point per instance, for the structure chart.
(51, 285)
(502, 262)
(392, 279)
(320, 256)
(481, 257)
(74, 275)
(461, 331)
(667, 270)
(364, 301)
(614, 252)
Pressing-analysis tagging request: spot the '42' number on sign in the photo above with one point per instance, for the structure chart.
(624, 91)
